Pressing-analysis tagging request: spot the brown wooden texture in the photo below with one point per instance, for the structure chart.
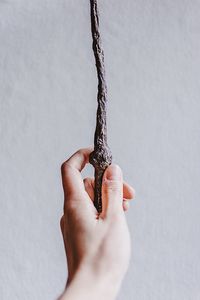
(101, 157)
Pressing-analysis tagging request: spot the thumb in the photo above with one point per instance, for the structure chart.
(112, 191)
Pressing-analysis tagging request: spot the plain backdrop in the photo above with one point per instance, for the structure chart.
(48, 89)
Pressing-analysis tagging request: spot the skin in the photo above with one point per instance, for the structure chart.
(97, 246)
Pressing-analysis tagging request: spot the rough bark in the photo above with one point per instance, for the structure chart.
(101, 157)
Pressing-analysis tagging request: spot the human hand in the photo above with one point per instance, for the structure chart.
(97, 246)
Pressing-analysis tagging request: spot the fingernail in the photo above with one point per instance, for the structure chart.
(113, 172)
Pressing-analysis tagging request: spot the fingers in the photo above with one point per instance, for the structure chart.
(128, 191)
(71, 176)
(112, 191)
(89, 187)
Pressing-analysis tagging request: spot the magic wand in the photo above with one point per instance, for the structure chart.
(101, 157)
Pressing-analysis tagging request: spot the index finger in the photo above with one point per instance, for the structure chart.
(71, 172)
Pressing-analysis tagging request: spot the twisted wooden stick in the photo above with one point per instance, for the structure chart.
(101, 157)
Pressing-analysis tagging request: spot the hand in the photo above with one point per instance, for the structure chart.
(97, 246)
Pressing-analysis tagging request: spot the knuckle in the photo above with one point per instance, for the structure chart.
(81, 152)
(112, 186)
(70, 207)
(65, 167)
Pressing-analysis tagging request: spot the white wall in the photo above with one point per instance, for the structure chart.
(47, 111)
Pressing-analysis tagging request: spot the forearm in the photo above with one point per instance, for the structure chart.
(88, 286)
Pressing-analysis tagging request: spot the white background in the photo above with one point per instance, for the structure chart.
(48, 91)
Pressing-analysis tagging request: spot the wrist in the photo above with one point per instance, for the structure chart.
(88, 285)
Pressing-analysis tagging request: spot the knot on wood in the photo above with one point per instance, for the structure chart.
(101, 158)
